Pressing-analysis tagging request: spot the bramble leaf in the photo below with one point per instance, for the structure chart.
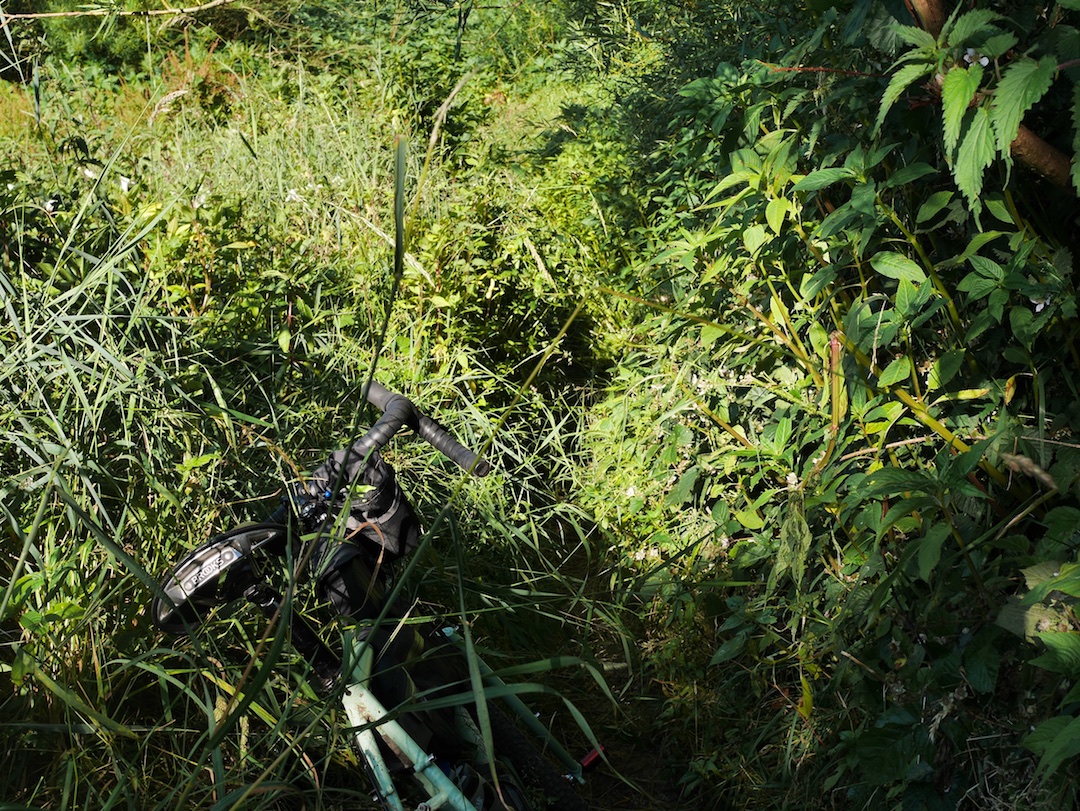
(1024, 83)
(975, 154)
(915, 36)
(899, 83)
(957, 92)
(971, 24)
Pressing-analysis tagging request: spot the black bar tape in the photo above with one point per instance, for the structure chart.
(443, 441)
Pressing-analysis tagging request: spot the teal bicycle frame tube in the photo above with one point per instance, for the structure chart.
(367, 714)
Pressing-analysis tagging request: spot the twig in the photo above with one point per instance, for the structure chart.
(106, 12)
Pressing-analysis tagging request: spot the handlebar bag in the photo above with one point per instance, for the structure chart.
(375, 513)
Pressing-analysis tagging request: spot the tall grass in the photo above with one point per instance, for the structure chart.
(190, 305)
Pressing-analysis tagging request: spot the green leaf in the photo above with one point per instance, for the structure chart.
(753, 238)
(822, 178)
(908, 174)
(970, 25)
(1072, 5)
(892, 481)
(975, 154)
(730, 649)
(1056, 740)
(957, 92)
(750, 519)
(898, 84)
(1024, 83)
(915, 36)
(684, 488)
(945, 368)
(930, 549)
(897, 266)
(1062, 652)
(775, 212)
(897, 371)
(936, 202)
(997, 45)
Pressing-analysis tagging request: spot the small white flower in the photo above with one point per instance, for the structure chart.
(199, 200)
(971, 56)
(1040, 304)
(631, 492)
(293, 196)
(89, 173)
(792, 480)
(125, 184)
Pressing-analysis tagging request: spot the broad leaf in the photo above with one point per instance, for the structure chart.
(897, 266)
(944, 369)
(957, 92)
(822, 178)
(899, 83)
(896, 372)
(1062, 652)
(930, 549)
(936, 202)
(975, 154)
(1024, 83)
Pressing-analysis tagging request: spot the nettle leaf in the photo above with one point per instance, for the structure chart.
(897, 266)
(970, 25)
(898, 84)
(975, 154)
(1024, 83)
(957, 92)
(944, 369)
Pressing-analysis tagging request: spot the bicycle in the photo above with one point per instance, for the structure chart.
(465, 755)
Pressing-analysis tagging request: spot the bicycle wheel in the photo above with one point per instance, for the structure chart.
(546, 789)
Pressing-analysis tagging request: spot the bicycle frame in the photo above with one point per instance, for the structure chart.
(368, 716)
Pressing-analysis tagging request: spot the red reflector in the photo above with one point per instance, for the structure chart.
(591, 760)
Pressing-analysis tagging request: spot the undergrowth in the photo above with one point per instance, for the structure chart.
(764, 327)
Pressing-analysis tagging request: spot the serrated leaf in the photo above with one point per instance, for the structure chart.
(1065, 744)
(998, 44)
(915, 36)
(895, 372)
(976, 152)
(957, 92)
(897, 266)
(898, 84)
(822, 178)
(753, 238)
(1024, 83)
(970, 25)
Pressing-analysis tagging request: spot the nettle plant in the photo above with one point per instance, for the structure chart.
(990, 71)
